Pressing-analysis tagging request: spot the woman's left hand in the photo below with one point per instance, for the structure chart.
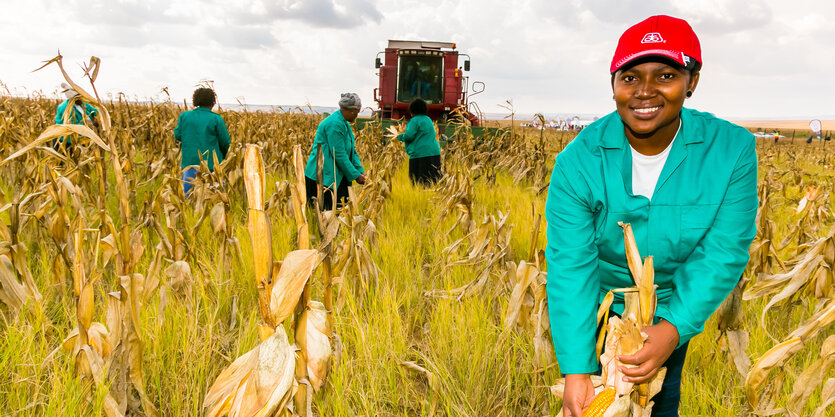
(661, 342)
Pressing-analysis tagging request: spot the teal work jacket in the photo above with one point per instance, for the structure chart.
(339, 150)
(73, 117)
(698, 227)
(202, 134)
(419, 138)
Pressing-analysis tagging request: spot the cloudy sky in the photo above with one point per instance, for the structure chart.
(762, 58)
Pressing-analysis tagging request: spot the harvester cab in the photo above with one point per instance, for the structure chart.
(427, 70)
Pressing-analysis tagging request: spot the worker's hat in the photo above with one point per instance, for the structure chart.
(662, 36)
(68, 91)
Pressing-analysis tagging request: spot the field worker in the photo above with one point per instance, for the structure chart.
(341, 163)
(73, 111)
(202, 135)
(421, 145)
(687, 183)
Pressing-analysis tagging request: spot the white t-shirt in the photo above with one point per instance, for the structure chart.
(647, 168)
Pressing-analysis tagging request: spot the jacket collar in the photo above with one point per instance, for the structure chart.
(619, 154)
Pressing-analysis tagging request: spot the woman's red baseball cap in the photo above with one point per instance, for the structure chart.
(661, 35)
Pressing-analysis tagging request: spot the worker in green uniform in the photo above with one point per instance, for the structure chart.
(75, 111)
(202, 135)
(421, 145)
(341, 164)
(687, 183)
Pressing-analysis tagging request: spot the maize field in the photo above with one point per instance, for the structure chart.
(121, 297)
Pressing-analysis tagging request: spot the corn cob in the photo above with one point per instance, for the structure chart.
(600, 403)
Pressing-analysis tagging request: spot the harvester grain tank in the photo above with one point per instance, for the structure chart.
(428, 70)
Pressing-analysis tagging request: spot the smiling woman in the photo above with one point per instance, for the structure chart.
(685, 181)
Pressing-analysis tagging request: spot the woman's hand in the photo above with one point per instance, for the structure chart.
(662, 341)
(361, 179)
(579, 391)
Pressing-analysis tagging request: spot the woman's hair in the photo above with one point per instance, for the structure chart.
(203, 97)
(417, 107)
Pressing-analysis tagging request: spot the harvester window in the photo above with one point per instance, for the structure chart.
(420, 76)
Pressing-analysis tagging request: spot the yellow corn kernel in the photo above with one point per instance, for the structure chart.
(600, 403)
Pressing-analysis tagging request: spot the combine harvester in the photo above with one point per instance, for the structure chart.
(431, 71)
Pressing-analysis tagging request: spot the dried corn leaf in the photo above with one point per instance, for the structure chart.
(89, 363)
(737, 344)
(776, 356)
(800, 279)
(108, 248)
(816, 323)
(133, 288)
(433, 380)
(288, 284)
(543, 345)
(56, 131)
(823, 283)
(827, 397)
(729, 313)
(771, 284)
(811, 378)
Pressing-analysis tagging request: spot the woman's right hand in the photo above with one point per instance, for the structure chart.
(579, 391)
(361, 179)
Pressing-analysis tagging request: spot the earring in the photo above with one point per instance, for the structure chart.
(689, 94)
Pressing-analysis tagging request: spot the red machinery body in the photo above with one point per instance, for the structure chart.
(419, 69)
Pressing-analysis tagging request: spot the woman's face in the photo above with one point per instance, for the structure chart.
(350, 114)
(649, 97)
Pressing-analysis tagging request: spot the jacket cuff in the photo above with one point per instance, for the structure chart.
(685, 331)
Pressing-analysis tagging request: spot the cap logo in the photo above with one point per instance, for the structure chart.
(652, 37)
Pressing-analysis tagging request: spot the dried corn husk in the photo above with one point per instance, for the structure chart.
(259, 227)
(315, 329)
(97, 338)
(259, 383)
(13, 293)
(179, 275)
(624, 338)
(218, 218)
(525, 274)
